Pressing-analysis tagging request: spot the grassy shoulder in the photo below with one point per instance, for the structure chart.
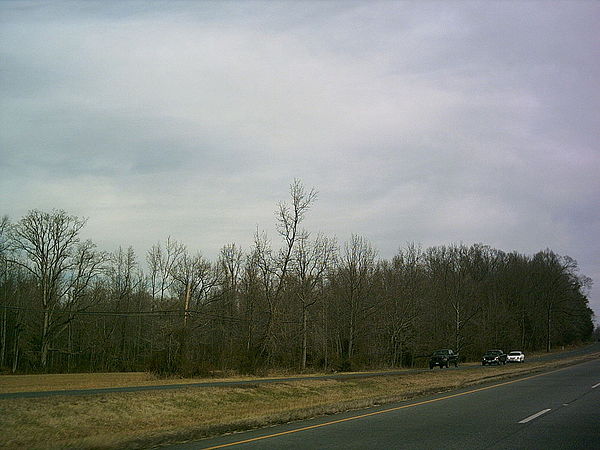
(143, 419)
(62, 381)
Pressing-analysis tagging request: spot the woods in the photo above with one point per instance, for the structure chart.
(302, 301)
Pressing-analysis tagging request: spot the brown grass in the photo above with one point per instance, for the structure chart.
(148, 418)
(59, 382)
(68, 381)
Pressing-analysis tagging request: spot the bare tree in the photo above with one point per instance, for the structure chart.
(560, 289)
(311, 260)
(230, 262)
(274, 269)
(4, 227)
(449, 283)
(124, 278)
(194, 277)
(62, 266)
(161, 262)
(355, 272)
(401, 288)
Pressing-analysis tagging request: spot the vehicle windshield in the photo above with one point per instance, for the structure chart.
(514, 353)
(441, 352)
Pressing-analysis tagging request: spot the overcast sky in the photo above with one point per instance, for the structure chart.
(432, 122)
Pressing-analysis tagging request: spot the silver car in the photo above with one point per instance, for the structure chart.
(515, 357)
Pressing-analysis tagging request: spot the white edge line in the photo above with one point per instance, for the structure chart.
(544, 411)
(595, 386)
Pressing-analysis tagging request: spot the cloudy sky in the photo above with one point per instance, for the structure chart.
(432, 122)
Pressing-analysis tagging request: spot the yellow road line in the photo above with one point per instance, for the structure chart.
(362, 416)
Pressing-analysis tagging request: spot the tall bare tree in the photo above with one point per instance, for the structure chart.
(355, 272)
(4, 227)
(194, 278)
(230, 262)
(311, 260)
(124, 278)
(274, 268)
(401, 287)
(62, 266)
(162, 262)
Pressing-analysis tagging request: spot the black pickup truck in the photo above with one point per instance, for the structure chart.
(493, 357)
(443, 358)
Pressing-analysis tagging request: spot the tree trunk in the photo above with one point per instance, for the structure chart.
(45, 340)
(458, 326)
(523, 329)
(138, 338)
(304, 335)
(351, 336)
(4, 326)
(325, 336)
(186, 312)
(70, 347)
(549, 314)
(16, 350)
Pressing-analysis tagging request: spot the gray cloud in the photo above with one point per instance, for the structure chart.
(433, 122)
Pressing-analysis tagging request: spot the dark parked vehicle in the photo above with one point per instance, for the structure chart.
(443, 358)
(493, 357)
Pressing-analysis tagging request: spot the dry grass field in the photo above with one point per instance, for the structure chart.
(143, 419)
(60, 382)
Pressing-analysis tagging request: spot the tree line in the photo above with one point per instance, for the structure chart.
(305, 303)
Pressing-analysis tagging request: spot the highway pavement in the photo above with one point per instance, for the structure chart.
(553, 410)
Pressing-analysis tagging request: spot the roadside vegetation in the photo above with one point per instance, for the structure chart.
(301, 302)
(143, 419)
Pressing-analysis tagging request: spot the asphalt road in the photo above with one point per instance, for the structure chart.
(595, 347)
(553, 410)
